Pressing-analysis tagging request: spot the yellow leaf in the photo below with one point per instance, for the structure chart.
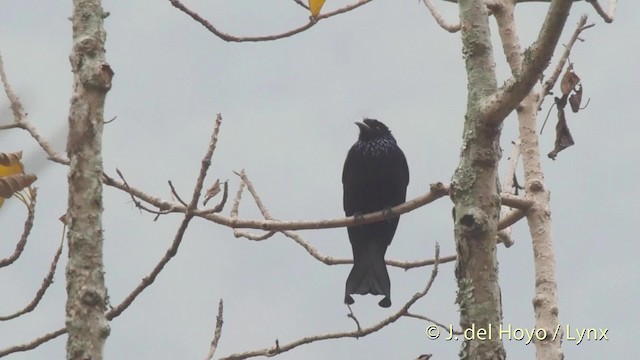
(315, 6)
(10, 164)
(12, 176)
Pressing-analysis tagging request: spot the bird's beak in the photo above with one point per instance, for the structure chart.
(363, 127)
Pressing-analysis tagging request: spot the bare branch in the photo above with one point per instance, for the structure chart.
(188, 216)
(421, 317)
(20, 120)
(28, 225)
(231, 38)
(217, 333)
(437, 191)
(498, 105)
(137, 203)
(32, 344)
(329, 260)
(48, 280)
(277, 349)
(452, 28)
(607, 16)
(16, 107)
(504, 237)
(555, 75)
(175, 193)
(149, 279)
(511, 218)
(261, 206)
(352, 316)
(313, 251)
(299, 2)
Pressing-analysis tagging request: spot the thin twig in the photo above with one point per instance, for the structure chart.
(231, 38)
(28, 225)
(188, 216)
(551, 81)
(452, 28)
(437, 191)
(217, 333)
(34, 343)
(137, 203)
(299, 2)
(421, 317)
(175, 194)
(313, 251)
(607, 16)
(352, 316)
(21, 121)
(46, 282)
(279, 348)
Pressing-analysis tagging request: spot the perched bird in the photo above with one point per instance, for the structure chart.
(375, 177)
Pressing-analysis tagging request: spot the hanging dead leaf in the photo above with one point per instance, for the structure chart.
(211, 192)
(14, 183)
(315, 6)
(576, 98)
(563, 135)
(569, 80)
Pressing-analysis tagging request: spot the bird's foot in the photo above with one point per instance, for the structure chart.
(385, 303)
(388, 214)
(358, 217)
(348, 299)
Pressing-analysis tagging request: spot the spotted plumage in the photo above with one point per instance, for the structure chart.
(375, 177)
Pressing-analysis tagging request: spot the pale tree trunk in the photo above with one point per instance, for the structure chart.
(86, 292)
(545, 301)
(475, 189)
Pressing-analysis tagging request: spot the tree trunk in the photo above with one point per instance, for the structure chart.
(86, 292)
(476, 195)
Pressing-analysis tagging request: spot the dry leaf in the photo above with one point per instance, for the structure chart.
(569, 80)
(576, 98)
(13, 183)
(211, 192)
(563, 135)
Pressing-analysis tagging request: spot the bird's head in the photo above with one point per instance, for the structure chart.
(371, 129)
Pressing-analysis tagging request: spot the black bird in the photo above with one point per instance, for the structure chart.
(375, 177)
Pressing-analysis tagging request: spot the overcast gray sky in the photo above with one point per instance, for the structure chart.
(288, 109)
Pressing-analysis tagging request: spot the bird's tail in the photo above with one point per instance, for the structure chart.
(369, 275)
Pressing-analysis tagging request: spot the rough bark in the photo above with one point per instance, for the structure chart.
(476, 195)
(86, 292)
(475, 187)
